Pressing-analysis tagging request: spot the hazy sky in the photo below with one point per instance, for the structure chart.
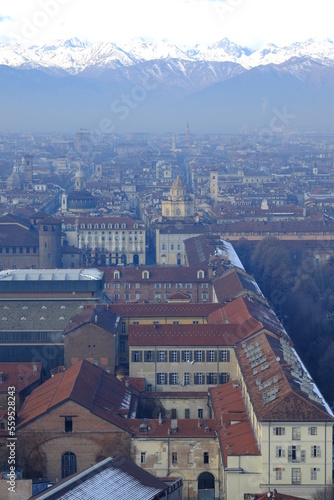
(247, 22)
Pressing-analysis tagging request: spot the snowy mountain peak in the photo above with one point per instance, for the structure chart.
(74, 55)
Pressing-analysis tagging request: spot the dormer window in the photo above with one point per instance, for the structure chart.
(200, 274)
(145, 275)
(116, 275)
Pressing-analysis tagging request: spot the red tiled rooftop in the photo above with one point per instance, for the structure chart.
(186, 335)
(87, 385)
(20, 375)
(235, 434)
(166, 310)
(272, 372)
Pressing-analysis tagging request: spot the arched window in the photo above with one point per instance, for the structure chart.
(68, 464)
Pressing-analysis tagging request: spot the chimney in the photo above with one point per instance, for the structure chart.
(160, 419)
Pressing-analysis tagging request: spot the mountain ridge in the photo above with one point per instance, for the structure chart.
(74, 56)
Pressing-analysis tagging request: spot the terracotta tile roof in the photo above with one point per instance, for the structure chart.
(186, 335)
(88, 386)
(98, 315)
(20, 375)
(167, 310)
(246, 311)
(236, 436)
(137, 383)
(233, 283)
(188, 427)
(277, 381)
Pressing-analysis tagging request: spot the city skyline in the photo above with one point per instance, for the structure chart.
(254, 23)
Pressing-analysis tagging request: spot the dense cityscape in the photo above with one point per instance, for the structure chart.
(140, 336)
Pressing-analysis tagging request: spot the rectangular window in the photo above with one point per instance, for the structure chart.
(211, 356)
(122, 345)
(280, 452)
(313, 473)
(123, 326)
(205, 457)
(143, 457)
(161, 378)
(296, 475)
(174, 457)
(162, 356)
(295, 454)
(211, 378)
(199, 378)
(148, 356)
(200, 413)
(312, 431)
(186, 356)
(173, 378)
(136, 356)
(174, 356)
(187, 413)
(296, 433)
(174, 413)
(224, 356)
(315, 451)
(68, 424)
(189, 285)
(279, 431)
(199, 356)
(278, 473)
(186, 378)
(224, 377)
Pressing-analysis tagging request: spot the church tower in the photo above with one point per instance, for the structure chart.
(80, 180)
(179, 205)
(214, 185)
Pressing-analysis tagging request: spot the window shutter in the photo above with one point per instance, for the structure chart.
(303, 455)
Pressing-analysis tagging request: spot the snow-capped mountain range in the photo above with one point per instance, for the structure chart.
(74, 56)
(145, 85)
